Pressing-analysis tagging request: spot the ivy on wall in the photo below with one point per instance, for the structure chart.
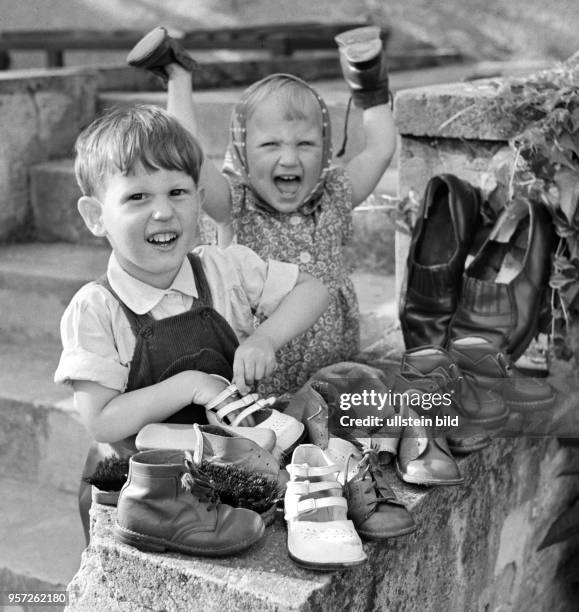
(546, 168)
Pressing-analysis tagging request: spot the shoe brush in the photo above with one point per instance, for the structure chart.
(110, 474)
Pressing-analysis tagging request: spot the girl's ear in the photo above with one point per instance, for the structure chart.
(90, 210)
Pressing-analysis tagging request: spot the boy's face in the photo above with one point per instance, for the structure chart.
(284, 157)
(151, 222)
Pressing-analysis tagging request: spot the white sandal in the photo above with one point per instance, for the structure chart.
(320, 537)
(230, 405)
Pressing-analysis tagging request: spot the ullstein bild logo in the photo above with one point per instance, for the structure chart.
(397, 421)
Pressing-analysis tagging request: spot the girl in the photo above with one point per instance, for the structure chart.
(279, 193)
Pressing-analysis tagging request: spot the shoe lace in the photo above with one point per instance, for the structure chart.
(199, 484)
(367, 473)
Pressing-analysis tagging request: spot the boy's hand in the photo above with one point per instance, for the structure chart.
(254, 360)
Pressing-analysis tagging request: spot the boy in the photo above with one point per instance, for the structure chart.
(139, 345)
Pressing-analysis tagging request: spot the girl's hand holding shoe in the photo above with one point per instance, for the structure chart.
(253, 361)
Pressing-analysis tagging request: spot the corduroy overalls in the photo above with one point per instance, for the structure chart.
(198, 339)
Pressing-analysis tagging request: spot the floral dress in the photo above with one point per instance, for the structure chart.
(311, 237)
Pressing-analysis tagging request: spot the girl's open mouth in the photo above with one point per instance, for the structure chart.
(288, 185)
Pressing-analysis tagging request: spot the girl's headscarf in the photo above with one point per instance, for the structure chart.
(236, 156)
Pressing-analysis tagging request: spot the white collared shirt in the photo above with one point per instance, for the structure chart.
(98, 343)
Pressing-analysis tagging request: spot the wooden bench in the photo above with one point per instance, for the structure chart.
(280, 40)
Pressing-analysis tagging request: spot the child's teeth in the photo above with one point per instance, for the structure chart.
(162, 237)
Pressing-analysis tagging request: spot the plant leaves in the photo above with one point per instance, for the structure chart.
(567, 182)
(565, 527)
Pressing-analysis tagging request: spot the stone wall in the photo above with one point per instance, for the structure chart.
(41, 115)
(475, 549)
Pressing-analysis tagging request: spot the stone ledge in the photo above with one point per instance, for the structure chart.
(42, 113)
(474, 549)
(457, 110)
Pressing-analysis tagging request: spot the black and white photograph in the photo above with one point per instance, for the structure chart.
(289, 306)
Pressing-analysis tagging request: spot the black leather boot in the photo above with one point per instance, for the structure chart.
(503, 286)
(363, 63)
(157, 49)
(440, 243)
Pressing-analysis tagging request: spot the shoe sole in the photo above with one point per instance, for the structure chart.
(534, 406)
(148, 543)
(325, 567)
(427, 483)
(148, 49)
(467, 450)
(386, 535)
(491, 423)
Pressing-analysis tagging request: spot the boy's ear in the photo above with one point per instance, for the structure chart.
(90, 210)
(201, 196)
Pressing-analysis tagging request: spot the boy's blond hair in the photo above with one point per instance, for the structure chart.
(125, 138)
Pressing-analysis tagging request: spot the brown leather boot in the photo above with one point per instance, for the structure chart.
(372, 505)
(165, 506)
(210, 443)
(472, 402)
(494, 370)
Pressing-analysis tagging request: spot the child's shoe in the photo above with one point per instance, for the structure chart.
(372, 505)
(320, 536)
(156, 50)
(424, 458)
(309, 407)
(229, 404)
(363, 64)
(210, 443)
(165, 506)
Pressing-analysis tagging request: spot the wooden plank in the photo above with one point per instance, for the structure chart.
(275, 36)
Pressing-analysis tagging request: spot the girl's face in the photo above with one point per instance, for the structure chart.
(284, 156)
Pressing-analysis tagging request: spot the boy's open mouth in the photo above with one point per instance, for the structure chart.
(288, 184)
(162, 239)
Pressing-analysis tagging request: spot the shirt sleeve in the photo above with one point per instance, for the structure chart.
(266, 283)
(89, 347)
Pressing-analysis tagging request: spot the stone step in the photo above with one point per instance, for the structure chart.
(41, 439)
(42, 278)
(54, 194)
(213, 110)
(41, 539)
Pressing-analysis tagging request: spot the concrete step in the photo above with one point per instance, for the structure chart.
(38, 280)
(54, 194)
(214, 107)
(41, 539)
(42, 278)
(41, 439)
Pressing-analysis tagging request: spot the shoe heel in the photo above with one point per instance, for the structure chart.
(136, 540)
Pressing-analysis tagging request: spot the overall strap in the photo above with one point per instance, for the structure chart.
(136, 321)
(200, 280)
